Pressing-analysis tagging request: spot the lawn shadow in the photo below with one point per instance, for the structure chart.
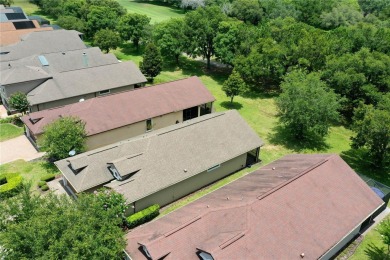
(231, 105)
(359, 160)
(375, 253)
(254, 94)
(49, 167)
(163, 4)
(281, 135)
(128, 48)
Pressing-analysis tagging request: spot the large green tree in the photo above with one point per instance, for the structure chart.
(18, 101)
(151, 65)
(342, 15)
(247, 11)
(107, 39)
(62, 136)
(233, 86)
(201, 27)
(169, 38)
(71, 23)
(100, 17)
(307, 107)
(57, 227)
(134, 27)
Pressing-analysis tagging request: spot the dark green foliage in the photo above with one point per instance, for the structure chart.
(12, 187)
(18, 101)
(6, 2)
(71, 23)
(134, 27)
(106, 39)
(234, 85)
(3, 180)
(143, 216)
(307, 107)
(169, 38)
(100, 17)
(373, 131)
(57, 227)
(373, 6)
(341, 15)
(44, 187)
(247, 11)
(48, 177)
(311, 10)
(278, 8)
(201, 27)
(41, 183)
(62, 136)
(151, 65)
(384, 231)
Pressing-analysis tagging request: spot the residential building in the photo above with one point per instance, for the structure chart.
(298, 207)
(164, 165)
(114, 117)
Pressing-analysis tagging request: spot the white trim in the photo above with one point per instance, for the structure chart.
(213, 168)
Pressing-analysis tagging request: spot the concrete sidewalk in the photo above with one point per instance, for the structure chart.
(18, 148)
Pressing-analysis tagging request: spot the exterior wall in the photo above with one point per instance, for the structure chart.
(72, 100)
(126, 132)
(179, 190)
(341, 244)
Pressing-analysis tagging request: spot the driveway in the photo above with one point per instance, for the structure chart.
(18, 148)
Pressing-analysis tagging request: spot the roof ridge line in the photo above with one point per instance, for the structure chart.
(304, 172)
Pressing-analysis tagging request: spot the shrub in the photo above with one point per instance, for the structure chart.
(12, 187)
(48, 177)
(3, 180)
(41, 183)
(143, 216)
(13, 120)
(45, 187)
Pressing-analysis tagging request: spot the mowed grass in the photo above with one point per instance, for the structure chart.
(157, 11)
(9, 131)
(30, 171)
(32, 9)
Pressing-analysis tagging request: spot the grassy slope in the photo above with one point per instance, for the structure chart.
(156, 10)
(9, 131)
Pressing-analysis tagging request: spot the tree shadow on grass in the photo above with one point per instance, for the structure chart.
(376, 253)
(128, 48)
(281, 135)
(49, 167)
(231, 105)
(359, 160)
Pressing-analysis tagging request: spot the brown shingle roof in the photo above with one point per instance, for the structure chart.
(109, 112)
(298, 204)
(9, 35)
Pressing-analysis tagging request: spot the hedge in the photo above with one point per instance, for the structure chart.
(12, 187)
(41, 183)
(143, 216)
(45, 187)
(3, 180)
(48, 177)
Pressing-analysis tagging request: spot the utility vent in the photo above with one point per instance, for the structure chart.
(43, 60)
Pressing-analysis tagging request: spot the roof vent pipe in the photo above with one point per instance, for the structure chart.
(85, 59)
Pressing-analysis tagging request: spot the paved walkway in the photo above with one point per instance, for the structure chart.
(18, 148)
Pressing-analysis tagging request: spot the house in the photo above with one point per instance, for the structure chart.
(164, 165)
(298, 207)
(42, 42)
(116, 117)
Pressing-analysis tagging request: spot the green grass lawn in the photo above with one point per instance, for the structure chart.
(32, 9)
(157, 11)
(9, 131)
(30, 171)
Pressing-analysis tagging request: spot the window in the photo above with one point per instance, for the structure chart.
(115, 173)
(149, 125)
(190, 113)
(205, 108)
(213, 168)
(104, 92)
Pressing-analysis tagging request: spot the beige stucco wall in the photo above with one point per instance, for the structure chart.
(126, 132)
(179, 190)
(72, 100)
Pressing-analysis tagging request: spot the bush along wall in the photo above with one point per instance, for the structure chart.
(48, 177)
(143, 216)
(12, 186)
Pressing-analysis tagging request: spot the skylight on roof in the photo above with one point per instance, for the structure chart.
(43, 60)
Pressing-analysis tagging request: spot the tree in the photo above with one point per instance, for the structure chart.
(372, 126)
(247, 11)
(62, 136)
(18, 101)
(151, 65)
(100, 17)
(306, 105)
(311, 10)
(71, 23)
(373, 6)
(384, 230)
(6, 2)
(133, 27)
(106, 39)
(57, 227)
(278, 8)
(169, 38)
(341, 15)
(233, 86)
(201, 27)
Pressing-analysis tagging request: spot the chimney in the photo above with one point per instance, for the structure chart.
(85, 59)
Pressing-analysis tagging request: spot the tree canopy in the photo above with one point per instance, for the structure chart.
(234, 85)
(151, 65)
(18, 101)
(133, 27)
(106, 39)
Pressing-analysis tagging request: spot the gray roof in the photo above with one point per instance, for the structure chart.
(84, 81)
(161, 156)
(43, 42)
(63, 61)
(22, 74)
